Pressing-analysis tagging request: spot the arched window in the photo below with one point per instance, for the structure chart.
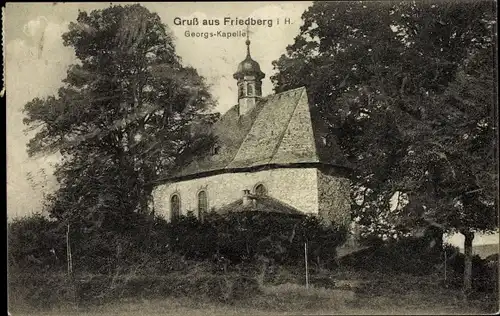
(241, 94)
(250, 89)
(215, 149)
(202, 203)
(260, 190)
(175, 206)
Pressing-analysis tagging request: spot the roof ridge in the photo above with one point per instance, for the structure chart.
(284, 92)
(278, 144)
(268, 197)
(261, 99)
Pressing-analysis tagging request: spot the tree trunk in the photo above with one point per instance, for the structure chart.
(469, 236)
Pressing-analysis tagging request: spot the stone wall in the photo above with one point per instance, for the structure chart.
(297, 187)
(334, 198)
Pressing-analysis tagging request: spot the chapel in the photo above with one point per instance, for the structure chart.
(271, 153)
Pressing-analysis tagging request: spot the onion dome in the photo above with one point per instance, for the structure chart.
(248, 67)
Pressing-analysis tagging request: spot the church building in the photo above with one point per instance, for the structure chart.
(272, 153)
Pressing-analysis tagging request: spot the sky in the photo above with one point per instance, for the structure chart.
(36, 62)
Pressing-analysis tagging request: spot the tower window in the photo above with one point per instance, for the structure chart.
(215, 149)
(260, 190)
(175, 206)
(250, 91)
(202, 203)
(240, 91)
(324, 140)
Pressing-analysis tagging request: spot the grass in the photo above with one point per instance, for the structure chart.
(188, 307)
(288, 298)
(199, 293)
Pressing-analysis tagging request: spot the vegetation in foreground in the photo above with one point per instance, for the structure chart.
(260, 270)
(417, 296)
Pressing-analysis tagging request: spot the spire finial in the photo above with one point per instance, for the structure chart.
(247, 42)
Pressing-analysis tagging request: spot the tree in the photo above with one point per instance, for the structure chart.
(126, 112)
(464, 190)
(408, 89)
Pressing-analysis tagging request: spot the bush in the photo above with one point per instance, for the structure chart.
(408, 255)
(222, 257)
(36, 243)
(39, 243)
(245, 237)
(484, 272)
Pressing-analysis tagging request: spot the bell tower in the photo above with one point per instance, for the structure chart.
(249, 80)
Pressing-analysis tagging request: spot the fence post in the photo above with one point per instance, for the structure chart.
(68, 253)
(307, 271)
(69, 259)
(445, 265)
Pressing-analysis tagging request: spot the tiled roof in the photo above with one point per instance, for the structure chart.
(282, 129)
(262, 204)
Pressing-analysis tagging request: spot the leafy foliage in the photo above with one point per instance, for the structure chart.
(189, 257)
(409, 255)
(36, 243)
(247, 237)
(222, 255)
(224, 240)
(408, 88)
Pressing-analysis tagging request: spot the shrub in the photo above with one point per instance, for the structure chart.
(35, 242)
(484, 273)
(244, 237)
(221, 257)
(408, 255)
